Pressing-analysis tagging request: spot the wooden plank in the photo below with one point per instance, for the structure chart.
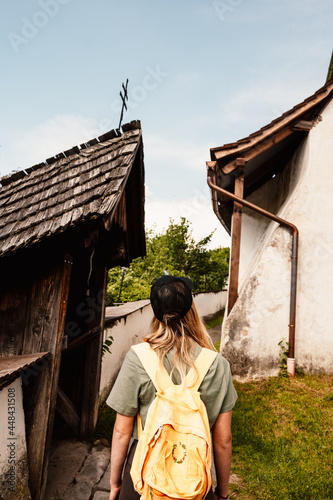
(303, 125)
(12, 367)
(43, 309)
(61, 310)
(13, 306)
(239, 162)
(35, 396)
(68, 411)
(82, 339)
(44, 330)
(235, 244)
(120, 216)
(92, 370)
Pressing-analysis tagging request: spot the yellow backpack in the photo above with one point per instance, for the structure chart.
(173, 455)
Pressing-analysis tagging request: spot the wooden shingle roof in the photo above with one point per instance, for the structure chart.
(81, 184)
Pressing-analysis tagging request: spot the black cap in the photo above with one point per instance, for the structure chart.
(171, 295)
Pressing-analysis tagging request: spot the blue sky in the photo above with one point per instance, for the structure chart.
(201, 74)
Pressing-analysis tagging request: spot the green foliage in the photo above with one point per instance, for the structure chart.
(282, 437)
(283, 355)
(176, 252)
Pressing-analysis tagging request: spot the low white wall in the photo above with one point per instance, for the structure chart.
(126, 331)
(130, 323)
(210, 303)
(13, 450)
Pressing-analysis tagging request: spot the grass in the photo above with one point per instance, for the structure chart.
(216, 321)
(283, 440)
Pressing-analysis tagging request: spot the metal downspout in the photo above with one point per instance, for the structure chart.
(294, 258)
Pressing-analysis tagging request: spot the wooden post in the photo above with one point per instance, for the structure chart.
(235, 243)
(93, 363)
(66, 277)
(44, 331)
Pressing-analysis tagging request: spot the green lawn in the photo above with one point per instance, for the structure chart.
(283, 440)
(215, 321)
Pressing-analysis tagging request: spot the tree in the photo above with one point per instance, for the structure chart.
(175, 252)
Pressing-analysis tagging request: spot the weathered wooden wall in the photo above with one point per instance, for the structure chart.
(32, 317)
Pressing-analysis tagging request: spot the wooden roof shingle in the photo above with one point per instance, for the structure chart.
(66, 190)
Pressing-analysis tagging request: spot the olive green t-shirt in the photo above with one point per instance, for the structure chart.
(134, 391)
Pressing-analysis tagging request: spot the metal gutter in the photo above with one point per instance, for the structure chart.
(294, 255)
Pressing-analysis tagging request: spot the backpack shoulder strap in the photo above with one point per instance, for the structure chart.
(151, 363)
(203, 362)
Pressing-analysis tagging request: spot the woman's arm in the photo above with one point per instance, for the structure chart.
(121, 436)
(222, 446)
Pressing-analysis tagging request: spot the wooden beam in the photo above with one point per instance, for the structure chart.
(92, 369)
(211, 164)
(59, 333)
(68, 411)
(44, 303)
(239, 162)
(303, 125)
(235, 243)
(12, 367)
(82, 339)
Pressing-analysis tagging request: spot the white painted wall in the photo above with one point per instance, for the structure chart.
(131, 328)
(210, 303)
(13, 450)
(269, 197)
(259, 319)
(126, 331)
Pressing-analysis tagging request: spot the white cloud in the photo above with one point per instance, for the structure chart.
(47, 139)
(183, 153)
(265, 101)
(197, 209)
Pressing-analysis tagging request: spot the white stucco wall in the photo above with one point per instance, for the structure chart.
(13, 450)
(126, 331)
(269, 197)
(259, 319)
(135, 324)
(210, 303)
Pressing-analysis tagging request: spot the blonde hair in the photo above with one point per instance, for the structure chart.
(181, 333)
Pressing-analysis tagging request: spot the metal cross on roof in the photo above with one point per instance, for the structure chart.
(124, 98)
